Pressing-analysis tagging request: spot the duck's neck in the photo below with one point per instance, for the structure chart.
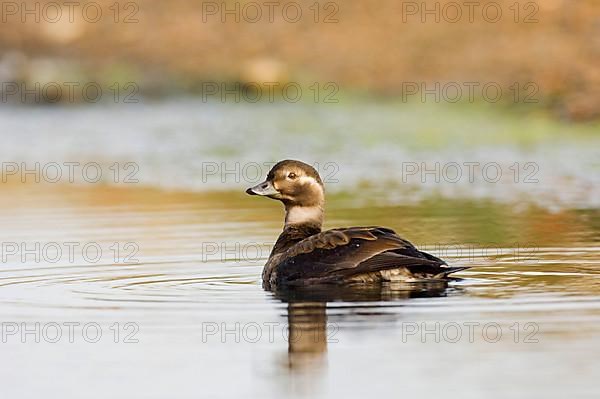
(296, 215)
(300, 222)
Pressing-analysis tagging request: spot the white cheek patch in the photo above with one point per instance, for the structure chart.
(307, 180)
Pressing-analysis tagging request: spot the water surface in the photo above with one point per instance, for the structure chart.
(193, 320)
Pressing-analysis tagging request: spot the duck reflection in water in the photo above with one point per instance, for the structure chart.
(311, 328)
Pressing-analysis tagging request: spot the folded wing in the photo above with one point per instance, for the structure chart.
(339, 254)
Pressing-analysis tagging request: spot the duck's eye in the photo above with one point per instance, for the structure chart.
(291, 175)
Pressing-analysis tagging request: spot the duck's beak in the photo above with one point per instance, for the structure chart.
(265, 189)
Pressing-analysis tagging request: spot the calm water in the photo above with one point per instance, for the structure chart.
(152, 290)
(177, 286)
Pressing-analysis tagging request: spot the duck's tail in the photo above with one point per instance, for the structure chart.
(449, 270)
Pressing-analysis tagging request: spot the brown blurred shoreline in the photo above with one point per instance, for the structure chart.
(377, 48)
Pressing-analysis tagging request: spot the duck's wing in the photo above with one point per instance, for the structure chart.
(337, 254)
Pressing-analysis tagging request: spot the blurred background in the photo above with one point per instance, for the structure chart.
(366, 48)
(178, 86)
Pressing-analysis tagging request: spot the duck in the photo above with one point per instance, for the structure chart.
(304, 255)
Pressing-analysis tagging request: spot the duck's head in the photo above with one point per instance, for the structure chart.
(298, 186)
